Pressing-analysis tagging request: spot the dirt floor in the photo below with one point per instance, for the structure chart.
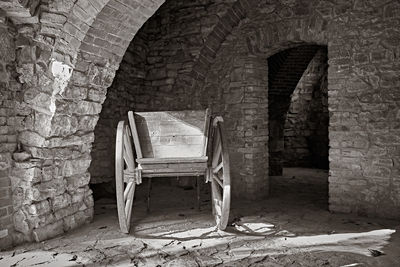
(291, 228)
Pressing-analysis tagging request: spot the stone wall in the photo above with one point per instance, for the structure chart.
(362, 87)
(68, 53)
(306, 127)
(9, 92)
(64, 67)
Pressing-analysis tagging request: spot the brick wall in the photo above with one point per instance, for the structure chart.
(306, 126)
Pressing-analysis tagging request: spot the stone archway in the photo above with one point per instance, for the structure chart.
(79, 49)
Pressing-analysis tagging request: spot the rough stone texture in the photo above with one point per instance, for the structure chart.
(64, 82)
(306, 127)
(9, 89)
(67, 53)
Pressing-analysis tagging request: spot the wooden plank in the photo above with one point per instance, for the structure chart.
(172, 140)
(173, 115)
(176, 167)
(172, 160)
(178, 151)
(135, 136)
(182, 151)
(175, 170)
(169, 167)
(169, 128)
(173, 174)
(206, 130)
(171, 134)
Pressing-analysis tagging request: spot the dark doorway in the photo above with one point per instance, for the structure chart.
(298, 122)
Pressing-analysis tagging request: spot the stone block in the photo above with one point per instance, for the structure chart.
(96, 96)
(49, 172)
(74, 140)
(46, 190)
(31, 175)
(77, 166)
(31, 139)
(76, 181)
(20, 222)
(39, 208)
(61, 201)
(63, 125)
(48, 231)
(21, 156)
(52, 18)
(5, 161)
(7, 46)
(87, 123)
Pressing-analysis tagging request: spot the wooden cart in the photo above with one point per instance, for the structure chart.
(171, 144)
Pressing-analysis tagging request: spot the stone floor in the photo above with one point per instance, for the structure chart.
(291, 228)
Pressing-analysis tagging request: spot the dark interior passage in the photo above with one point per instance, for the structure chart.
(298, 128)
(298, 112)
(306, 125)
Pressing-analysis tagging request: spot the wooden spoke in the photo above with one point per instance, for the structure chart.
(124, 166)
(128, 150)
(220, 182)
(220, 165)
(217, 150)
(128, 189)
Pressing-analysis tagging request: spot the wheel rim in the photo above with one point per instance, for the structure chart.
(125, 187)
(220, 178)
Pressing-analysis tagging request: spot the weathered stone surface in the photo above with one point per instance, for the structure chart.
(76, 181)
(60, 201)
(32, 175)
(32, 139)
(7, 47)
(39, 208)
(20, 222)
(48, 231)
(21, 156)
(77, 166)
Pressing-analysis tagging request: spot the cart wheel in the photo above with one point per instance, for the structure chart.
(124, 167)
(220, 176)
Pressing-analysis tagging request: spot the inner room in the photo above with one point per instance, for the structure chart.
(299, 119)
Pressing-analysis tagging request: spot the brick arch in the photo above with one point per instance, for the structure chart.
(194, 80)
